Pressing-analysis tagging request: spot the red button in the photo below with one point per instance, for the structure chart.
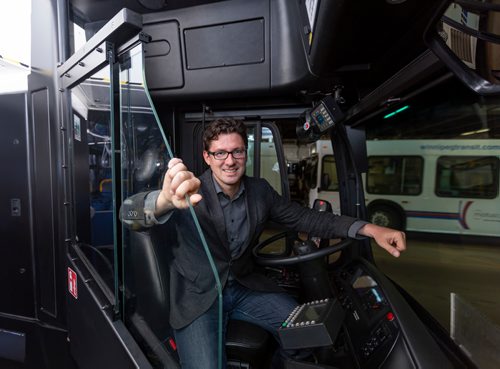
(390, 316)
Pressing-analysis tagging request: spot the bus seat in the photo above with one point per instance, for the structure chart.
(248, 343)
(146, 275)
(147, 279)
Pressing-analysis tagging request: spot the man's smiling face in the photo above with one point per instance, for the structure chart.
(229, 171)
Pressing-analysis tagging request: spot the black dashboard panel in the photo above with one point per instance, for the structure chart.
(381, 329)
(371, 325)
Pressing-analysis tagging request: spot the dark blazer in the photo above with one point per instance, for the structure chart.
(192, 283)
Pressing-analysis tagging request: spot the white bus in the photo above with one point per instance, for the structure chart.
(317, 175)
(442, 186)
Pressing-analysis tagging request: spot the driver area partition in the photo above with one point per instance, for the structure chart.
(111, 317)
(119, 315)
(149, 250)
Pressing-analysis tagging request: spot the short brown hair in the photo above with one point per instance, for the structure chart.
(224, 126)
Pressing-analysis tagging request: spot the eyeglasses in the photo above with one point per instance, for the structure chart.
(222, 155)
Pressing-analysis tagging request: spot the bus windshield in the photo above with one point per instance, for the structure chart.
(433, 171)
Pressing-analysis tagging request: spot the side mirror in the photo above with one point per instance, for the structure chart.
(465, 35)
(322, 205)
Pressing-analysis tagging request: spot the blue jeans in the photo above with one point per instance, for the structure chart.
(197, 342)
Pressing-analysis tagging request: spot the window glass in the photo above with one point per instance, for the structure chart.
(474, 177)
(269, 169)
(309, 170)
(266, 155)
(451, 212)
(250, 152)
(269, 165)
(148, 253)
(394, 175)
(130, 262)
(91, 143)
(15, 45)
(330, 181)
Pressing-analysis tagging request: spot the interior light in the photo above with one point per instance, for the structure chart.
(475, 132)
(396, 111)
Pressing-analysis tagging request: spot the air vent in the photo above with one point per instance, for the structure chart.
(462, 44)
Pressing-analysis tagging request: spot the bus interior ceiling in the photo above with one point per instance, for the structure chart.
(354, 45)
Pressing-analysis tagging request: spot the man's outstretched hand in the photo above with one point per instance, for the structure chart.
(389, 239)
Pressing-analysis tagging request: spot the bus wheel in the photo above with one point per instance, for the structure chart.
(385, 216)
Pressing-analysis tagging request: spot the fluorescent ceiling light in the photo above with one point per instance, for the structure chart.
(475, 132)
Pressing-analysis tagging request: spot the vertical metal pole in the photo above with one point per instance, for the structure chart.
(114, 84)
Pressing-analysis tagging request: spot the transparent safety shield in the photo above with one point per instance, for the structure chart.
(92, 158)
(152, 252)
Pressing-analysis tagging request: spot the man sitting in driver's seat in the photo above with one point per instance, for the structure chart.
(232, 209)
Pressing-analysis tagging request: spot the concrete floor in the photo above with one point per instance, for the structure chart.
(431, 270)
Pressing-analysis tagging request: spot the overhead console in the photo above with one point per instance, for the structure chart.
(244, 47)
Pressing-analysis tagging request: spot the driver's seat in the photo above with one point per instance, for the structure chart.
(247, 345)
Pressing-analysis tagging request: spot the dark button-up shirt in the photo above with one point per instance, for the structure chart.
(235, 218)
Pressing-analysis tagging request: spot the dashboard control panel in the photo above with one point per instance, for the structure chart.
(371, 325)
(313, 324)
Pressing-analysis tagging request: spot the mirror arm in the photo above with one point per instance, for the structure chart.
(485, 36)
(438, 46)
(480, 86)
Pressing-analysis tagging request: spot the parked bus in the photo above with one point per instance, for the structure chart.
(442, 186)
(318, 175)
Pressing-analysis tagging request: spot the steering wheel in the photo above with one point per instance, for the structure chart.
(273, 260)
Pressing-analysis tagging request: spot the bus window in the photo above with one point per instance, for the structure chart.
(15, 52)
(268, 156)
(474, 177)
(250, 151)
(269, 165)
(310, 171)
(320, 181)
(394, 175)
(329, 179)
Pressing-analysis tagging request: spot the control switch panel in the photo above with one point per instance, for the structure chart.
(313, 324)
